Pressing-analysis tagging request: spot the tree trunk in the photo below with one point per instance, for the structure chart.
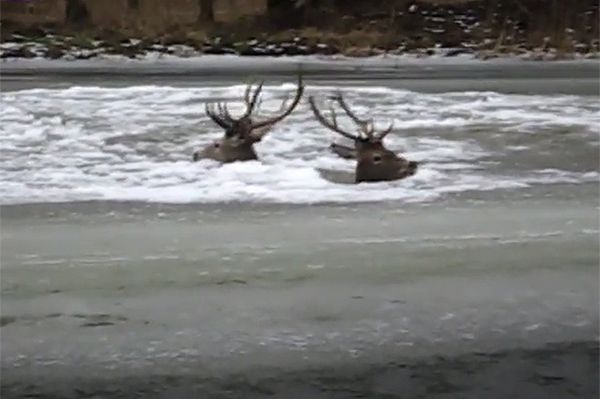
(207, 11)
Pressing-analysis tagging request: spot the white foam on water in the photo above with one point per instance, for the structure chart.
(135, 143)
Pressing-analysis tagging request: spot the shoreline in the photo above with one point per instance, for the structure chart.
(418, 30)
(428, 55)
(423, 29)
(79, 47)
(306, 63)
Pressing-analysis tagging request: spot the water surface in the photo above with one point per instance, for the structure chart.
(119, 254)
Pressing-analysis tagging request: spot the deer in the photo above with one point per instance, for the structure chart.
(374, 162)
(237, 143)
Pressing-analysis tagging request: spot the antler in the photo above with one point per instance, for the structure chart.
(295, 101)
(224, 112)
(284, 103)
(247, 98)
(222, 116)
(251, 101)
(340, 99)
(367, 126)
(260, 132)
(330, 124)
(220, 120)
(385, 132)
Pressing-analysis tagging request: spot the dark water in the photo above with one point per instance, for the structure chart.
(552, 371)
(505, 76)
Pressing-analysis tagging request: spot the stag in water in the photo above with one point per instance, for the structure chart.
(374, 162)
(237, 143)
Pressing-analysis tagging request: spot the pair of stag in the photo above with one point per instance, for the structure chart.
(374, 162)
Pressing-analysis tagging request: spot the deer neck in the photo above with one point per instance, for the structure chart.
(243, 151)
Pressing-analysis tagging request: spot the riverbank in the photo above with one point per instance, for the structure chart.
(422, 28)
(69, 48)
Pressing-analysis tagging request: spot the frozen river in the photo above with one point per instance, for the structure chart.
(126, 265)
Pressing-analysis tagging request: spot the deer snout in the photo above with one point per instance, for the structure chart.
(201, 154)
(412, 167)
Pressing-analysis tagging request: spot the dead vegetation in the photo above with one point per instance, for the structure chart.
(489, 25)
(489, 28)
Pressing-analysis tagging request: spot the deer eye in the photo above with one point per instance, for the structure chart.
(376, 158)
(216, 145)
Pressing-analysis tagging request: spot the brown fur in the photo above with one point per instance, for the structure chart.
(374, 162)
(240, 135)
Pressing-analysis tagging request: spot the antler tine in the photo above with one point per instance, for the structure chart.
(248, 90)
(247, 96)
(252, 103)
(220, 109)
(366, 125)
(209, 109)
(224, 112)
(216, 113)
(330, 125)
(247, 93)
(297, 97)
(368, 129)
(333, 116)
(340, 99)
(385, 132)
(284, 102)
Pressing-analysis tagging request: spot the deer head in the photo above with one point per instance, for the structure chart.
(374, 162)
(237, 143)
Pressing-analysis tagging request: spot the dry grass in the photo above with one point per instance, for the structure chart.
(359, 38)
(506, 26)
